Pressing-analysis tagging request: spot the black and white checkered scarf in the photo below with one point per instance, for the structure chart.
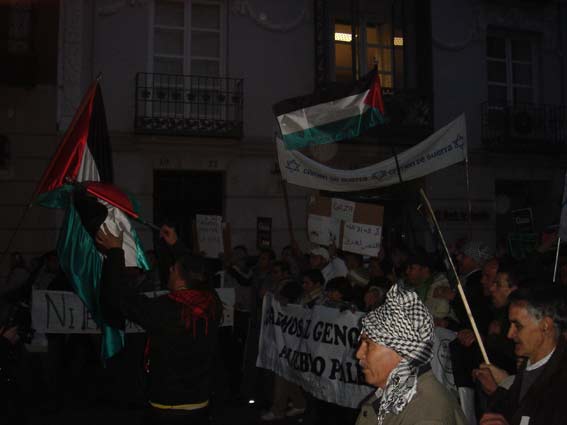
(404, 325)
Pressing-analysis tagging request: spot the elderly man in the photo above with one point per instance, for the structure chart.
(395, 352)
(536, 395)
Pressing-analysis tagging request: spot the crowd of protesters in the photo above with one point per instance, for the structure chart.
(506, 297)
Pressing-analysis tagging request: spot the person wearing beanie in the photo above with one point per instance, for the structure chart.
(330, 265)
(396, 348)
(181, 328)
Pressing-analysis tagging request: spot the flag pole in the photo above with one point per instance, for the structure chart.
(397, 163)
(556, 259)
(459, 285)
(149, 224)
(287, 209)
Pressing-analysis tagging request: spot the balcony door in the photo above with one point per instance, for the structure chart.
(187, 58)
(187, 38)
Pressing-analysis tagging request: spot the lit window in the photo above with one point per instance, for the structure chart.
(378, 45)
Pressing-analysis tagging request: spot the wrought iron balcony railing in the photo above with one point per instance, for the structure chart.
(523, 127)
(188, 105)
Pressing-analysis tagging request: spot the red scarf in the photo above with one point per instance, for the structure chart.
(195, 305)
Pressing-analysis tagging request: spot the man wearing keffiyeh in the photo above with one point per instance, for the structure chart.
(395, 351)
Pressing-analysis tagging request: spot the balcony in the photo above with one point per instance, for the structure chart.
(523, 127)
(188, 105)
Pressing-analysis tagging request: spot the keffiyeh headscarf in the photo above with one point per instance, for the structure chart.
(404, 325)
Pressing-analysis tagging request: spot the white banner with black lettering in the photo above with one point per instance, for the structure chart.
(315, 348)
(63, 312)
(447, 146)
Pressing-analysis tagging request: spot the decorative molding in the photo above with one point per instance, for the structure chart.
(112, 7)
(519, 19)
(476, 31)
(243, 8)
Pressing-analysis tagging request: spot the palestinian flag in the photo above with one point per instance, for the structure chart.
(84, 154)
(82, 161)
(330, 115)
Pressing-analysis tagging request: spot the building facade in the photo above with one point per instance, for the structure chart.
(189, 85)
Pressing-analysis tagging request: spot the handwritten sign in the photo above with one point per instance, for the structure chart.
(323, 230)
(209, 235)
(63, 312)
(342, 210)
(362, 238)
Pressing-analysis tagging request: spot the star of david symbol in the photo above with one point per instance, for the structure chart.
(459, 142)
(293, 166)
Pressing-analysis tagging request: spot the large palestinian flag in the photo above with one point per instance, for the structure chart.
(78, 180)
(336, 113)
(84, 154)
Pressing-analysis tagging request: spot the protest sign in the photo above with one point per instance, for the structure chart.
(523, 220)
(360, 228)
(323, 230)
(342, 209)
(210, 235)
(63, 312)
(362, 239)
(315, 348)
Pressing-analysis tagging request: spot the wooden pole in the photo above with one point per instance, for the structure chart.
(459, 285)
(287, 211)
(556, 260)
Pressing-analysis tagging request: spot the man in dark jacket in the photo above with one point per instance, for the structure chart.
(535, 397)
(181, 327)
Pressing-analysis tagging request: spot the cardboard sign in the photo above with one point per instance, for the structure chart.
(342, 209)
(360, 228)
(210, 235)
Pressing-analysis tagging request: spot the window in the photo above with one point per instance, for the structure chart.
(187, 37)
(375, 43)
(511, 69)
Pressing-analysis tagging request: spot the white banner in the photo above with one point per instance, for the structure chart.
(63, 312)
(315, 348)
(445, 147)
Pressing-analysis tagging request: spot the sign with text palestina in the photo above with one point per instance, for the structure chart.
(447, 146)
(315, 349)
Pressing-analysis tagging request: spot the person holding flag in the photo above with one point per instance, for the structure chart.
(181, 326)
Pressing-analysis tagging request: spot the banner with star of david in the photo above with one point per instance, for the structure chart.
(446, 147)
